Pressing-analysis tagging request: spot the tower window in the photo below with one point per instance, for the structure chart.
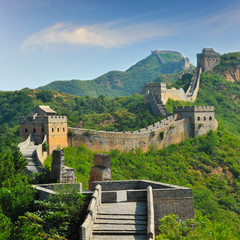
(210, 118)
(198, 118)
(58, 129)
(204, 118)
(52, 129)
(26, 130)
(63, 129)
(34, 130)
(42, 129)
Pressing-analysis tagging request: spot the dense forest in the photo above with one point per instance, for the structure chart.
(209, 164)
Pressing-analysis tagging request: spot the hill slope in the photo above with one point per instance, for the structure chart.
(119, 83)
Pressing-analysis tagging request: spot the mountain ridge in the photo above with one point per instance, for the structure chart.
(122, 83)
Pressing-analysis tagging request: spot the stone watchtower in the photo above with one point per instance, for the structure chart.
(45, 122)
(207, 59)
(201, 118)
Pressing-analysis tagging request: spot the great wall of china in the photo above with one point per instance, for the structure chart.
(183, 123)
(121, 209)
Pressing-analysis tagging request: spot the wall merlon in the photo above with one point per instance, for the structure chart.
(194, 109)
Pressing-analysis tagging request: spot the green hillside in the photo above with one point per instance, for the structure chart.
(119, 83)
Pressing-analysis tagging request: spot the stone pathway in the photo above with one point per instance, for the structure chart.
(121, 221)
(30, 154)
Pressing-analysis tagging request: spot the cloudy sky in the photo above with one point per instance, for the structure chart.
(46, 40)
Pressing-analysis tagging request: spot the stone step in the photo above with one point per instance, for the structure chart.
(128, 208)
(120, 221)
(119, 227)
(32, 163)
(123, 217)
(34, 168)
(29, 155)
(119, 237)
(119, 232)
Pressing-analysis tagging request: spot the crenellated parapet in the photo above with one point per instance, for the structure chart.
(184, 123)
(55, 119)
(194, 109)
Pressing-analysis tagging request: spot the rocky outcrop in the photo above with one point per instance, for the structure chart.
(232, 75)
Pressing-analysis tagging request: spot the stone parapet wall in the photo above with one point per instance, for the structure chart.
(194, 109)
(87, 226)
(166, 198)
(55, 119)
(25, 144)
(160, 134)
(150, 215)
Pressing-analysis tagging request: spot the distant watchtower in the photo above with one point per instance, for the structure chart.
(207, 59)
(45, 122)
(202, 118)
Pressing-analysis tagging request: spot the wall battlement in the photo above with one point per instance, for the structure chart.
(56, 119)
(185, 122)
(194, 109)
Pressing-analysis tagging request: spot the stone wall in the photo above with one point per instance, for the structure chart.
(59, 172)
(168, 131)
(101, 171)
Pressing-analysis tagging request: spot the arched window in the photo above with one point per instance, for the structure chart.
(204, 118)
(52, 129)
(198, 118)
(26, 130)
(34, 130)
(210, 118)
(58, 129)
(63, 129)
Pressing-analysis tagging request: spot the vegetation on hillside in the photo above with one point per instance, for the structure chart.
(119, 83)
(119, 114)
(22, 217)
(228, 62)
(209, 164)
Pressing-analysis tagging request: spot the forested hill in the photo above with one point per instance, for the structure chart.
(123, 83)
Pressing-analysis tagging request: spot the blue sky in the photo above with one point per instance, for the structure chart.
(46, 40)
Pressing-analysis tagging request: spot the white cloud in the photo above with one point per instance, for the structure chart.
(105, 36)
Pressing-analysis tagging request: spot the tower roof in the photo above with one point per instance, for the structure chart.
(47, 109)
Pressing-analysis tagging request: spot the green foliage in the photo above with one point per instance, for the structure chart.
(172, 228)
(45, 147)
(228, 62)
(45, 96)
(58, 217)
(171, 104)
(88, 133)
(119, 114)
(5, 226)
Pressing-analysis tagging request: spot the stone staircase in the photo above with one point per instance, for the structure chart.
(30, 154)
(161, 108)
(121, 221)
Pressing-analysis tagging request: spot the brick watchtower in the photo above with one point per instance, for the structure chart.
(207, 59)
(202, 118)
(44, 122)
